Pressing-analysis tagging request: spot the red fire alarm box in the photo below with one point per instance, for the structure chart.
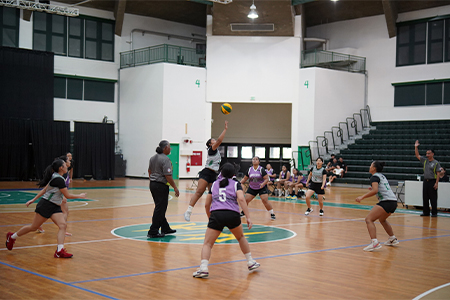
(196, 158)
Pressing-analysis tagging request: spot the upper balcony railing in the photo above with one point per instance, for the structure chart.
(162, 53)
(333, 60)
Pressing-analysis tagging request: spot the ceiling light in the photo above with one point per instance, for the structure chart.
(252, 14)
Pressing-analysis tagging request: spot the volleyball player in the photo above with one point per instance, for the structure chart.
(285, 175)
(222, 209)
(50, 207)
(258, 179)
(209, 174)
(383, 209)
(293, 184)
(272, 177)
(318, 178)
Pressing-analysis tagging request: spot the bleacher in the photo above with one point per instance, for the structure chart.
(393, 142)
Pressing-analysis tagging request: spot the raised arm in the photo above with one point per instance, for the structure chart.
(220, 138)
(416, 149)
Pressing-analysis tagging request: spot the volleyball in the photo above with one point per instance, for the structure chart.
(226, 108)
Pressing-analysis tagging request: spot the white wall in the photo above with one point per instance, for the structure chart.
(186, 115)
(141, 115)
(329, 97)
(240, 68)
(370, 37)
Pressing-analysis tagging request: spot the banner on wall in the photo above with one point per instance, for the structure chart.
(196, 158)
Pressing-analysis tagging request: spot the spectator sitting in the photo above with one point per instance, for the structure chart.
(284, 177)
(443, 175)
(272, 176)
(343, 166)
(330, 162)
(295, 180)
(331, 171)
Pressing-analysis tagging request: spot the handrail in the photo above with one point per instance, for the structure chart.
(339, 133)
(332, 136)
(324, 143)
(346, 125)
(369, 117)
(360, 116)
(352, 125)
(309, 144)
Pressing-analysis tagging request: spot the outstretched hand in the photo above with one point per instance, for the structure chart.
(359, 199)
(226, 124)
(29, 202)
(249, 223)
(417, 144)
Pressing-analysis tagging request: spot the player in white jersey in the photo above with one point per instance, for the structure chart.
(209, 174)
(384, 208)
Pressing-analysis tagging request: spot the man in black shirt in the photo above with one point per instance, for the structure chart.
(343, 166)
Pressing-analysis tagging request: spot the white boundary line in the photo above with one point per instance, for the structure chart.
(431, 291)
(70, 243)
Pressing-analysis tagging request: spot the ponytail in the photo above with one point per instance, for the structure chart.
(227, 173)
(48, 173)
(379, 165)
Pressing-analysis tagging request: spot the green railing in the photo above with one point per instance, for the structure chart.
(333, 60)
(162, 53)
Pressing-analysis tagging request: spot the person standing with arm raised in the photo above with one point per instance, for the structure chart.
(431, 172)
(160, 175)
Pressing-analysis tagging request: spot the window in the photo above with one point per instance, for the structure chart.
(9, 26)
(426, 93)
(447, 40)
(274, 153)
(411, 44)
(50, 33)
(82, 37)
(287, 153)
(260, 152)
(436, 41)
(84, 89)
(232, 151)
(247, 152)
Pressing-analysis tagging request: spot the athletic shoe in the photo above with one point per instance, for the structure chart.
(390, 242)
(288, 197)
(170, 231)
(321, 212)
(62, 254)
(68, 234)
(242, 214)
(187, 216)
(253, 265)
(323, 197)
(272, 216)
(10, 241)
(200, 274)
(328, 184)
(294, 197)
(315, 196)
(372, 247)
(308, 211)
(40, 230)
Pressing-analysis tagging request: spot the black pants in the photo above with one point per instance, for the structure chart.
(160, 194)
(429, 194)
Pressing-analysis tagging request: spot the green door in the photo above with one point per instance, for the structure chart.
(304, 159)
(174, 158)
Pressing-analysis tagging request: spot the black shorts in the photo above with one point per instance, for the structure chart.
(46, 208)
(316, 187)
(253, 192)
(207, 174)
(221, 218)
(389, 206)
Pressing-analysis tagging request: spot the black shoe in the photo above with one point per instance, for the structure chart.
(154, 236)
(434, 216)
(170, 231)
(424, 215)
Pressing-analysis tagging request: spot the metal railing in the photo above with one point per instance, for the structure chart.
(333, 60)
(162, 53)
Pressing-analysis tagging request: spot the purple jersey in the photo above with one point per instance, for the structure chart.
(293, 178)
(270, 172)
(255, 177)
(283, 175)
(225, 198)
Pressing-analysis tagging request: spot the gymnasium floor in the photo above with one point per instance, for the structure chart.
(301, 257)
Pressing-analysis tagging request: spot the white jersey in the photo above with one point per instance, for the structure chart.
(213, 159)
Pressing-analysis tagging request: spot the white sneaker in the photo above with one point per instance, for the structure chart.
(372, 247)
(253, 265)
(393, 242)
(321, 212)
(187, 216)
(201, 273)
(309, 210)
(329, 184)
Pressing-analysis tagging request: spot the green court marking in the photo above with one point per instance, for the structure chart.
(194, 233)
(18, 197)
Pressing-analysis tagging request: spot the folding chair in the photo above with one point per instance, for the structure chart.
(194, 184)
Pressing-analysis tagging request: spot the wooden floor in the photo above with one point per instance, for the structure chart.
(324, 260)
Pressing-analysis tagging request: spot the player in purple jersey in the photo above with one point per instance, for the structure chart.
(222, 209)
(294, 184)
(285, 175)
(272, 177)
(258, 179)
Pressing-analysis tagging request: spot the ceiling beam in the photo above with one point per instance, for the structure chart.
(391, 14)
(119, 13)
(27, 14)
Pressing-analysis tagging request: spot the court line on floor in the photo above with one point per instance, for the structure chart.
(242, 260)
(431, 291)
(58, 281)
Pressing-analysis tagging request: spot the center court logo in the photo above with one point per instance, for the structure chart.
(194, 233)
